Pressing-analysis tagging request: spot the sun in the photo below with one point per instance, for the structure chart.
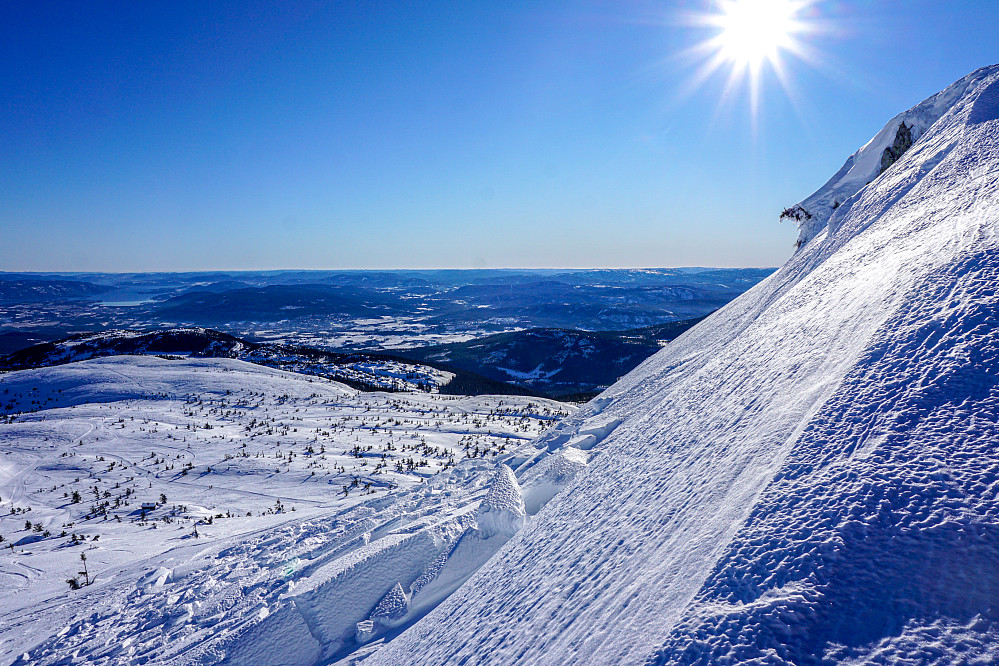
(754, 31)
(750, 37)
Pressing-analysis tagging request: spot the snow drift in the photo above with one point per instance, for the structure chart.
(808, 476)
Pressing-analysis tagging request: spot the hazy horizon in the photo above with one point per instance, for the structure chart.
(525, 269)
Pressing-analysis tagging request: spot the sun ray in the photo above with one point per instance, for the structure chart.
(750, 40)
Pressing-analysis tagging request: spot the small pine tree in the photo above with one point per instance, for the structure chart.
(84, 573)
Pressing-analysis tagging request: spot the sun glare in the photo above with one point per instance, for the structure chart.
(748, 37)
(752, 31)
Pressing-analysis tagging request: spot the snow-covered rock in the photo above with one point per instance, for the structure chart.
(905, 129)
(808, 476)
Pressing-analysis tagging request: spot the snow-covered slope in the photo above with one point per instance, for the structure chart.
(231, 512)
(808, 476)
(366, 371)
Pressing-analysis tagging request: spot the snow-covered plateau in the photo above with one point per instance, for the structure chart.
(227, 510)
(808, 476)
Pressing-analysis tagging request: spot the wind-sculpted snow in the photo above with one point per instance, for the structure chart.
(298, 592)
(502, 510)
(393, 605)
(809, 476)
(884, 520)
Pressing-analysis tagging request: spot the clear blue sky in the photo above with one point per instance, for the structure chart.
(210, 135)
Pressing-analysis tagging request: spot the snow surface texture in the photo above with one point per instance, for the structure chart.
(809, 476)
(237, 448)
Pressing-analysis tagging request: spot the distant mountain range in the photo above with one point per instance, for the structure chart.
(384, 310)
(552, 333)
(592, 300)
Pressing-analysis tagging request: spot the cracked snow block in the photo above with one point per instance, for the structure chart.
(500, 515)
(551, 477)
(502, 511)
(279, 638)
(364, 631)
(448, 573)
(392, 606)
(341, 594)
(594, 433)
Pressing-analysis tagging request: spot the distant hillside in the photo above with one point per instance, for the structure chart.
(545, 362)
(14, 340)
(364, 371)
(275, 302)
(554, 361)
(33, 290)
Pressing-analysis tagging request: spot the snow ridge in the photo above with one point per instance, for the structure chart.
(812, 214)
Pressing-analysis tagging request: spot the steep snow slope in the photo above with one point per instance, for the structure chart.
(808, 476)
